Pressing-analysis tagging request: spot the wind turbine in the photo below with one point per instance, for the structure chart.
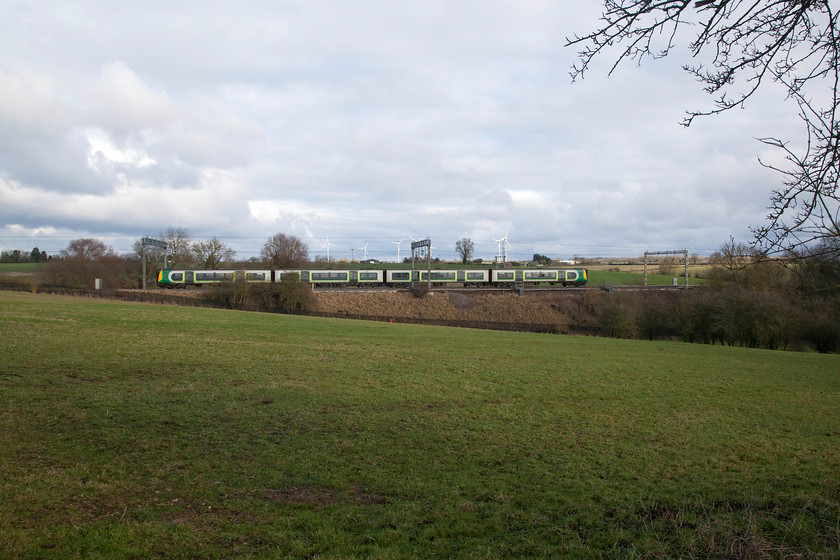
(397, 243)
(364, 249)
(328, 245)
(503, 245)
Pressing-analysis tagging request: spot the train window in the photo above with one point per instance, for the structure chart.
(504, 275)
(213, 276)
(571, 275)
(177, 277)
(437, 275)
(255, 276)
(329, 276)
(368, 276)
(400, 276)
(475, 275)
(540, 274)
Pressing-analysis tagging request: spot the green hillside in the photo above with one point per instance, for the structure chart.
(137, 431)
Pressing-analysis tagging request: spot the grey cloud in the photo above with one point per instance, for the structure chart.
(370, 120)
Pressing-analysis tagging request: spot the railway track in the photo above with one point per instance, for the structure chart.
(507, 290)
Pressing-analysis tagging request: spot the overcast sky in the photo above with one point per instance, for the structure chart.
(368, 122)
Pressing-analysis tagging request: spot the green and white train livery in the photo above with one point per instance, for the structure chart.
(181, 278)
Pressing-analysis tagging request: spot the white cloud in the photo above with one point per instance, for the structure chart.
(367, 121)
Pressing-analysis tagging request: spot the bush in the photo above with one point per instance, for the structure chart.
(657, 318)
(823, 333)
(754, 319)
(419, 290)
(79, 273)
(694, 318)
(290, 295)
(617, 317)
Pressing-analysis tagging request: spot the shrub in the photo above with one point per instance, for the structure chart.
(290, 295)
(617, 317)
(754, 319)
(657, 318)
(694, 318)
(823, 333)
(420, 290)
(79, 273)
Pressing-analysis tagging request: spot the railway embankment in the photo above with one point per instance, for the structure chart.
(447, 308)
(495, 311)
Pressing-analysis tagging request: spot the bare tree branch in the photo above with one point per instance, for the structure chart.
(739, 46)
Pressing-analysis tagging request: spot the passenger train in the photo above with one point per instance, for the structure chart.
(506, 277)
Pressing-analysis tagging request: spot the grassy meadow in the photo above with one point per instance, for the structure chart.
(634, 278)
(18, 267)
(138, 431)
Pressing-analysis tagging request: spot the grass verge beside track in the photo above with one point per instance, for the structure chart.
(131, 430)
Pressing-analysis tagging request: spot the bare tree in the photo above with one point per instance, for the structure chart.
(179, 245)
(85, 260)
(744, 266)
(285, 251)
(86, 249)
(818, 268)
(211, 253)
(465, 248)
(667, 266)
(734, 256)
(740, 45)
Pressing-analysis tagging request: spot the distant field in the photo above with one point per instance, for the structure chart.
(601, 277)
(18, 267)
(634, 275)
(136, 431)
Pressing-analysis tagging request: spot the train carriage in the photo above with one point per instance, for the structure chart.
(475, 277)
(503, 277)
(325, 277)
(398, 277)
(368, 277)
(337, 278)
(183, 278)
(254, 275)
(564, 276)
(171, 278)
(439, 277)
(575, 277)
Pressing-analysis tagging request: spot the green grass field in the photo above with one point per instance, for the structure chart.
(18, 267)
(138, 431)
(606, 277)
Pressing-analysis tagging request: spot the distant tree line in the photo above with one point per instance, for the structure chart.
(17, 256)
(87, 259)
(748, 299)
